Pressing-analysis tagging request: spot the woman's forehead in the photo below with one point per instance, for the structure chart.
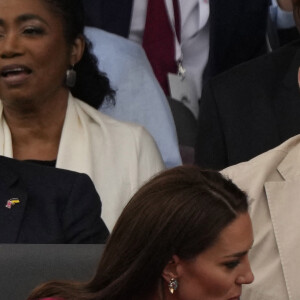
(235, 238)
(18, 7)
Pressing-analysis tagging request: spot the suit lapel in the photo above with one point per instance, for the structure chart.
(284, 204)
(10, 187)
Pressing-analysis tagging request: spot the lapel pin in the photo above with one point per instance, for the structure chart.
(12, 202)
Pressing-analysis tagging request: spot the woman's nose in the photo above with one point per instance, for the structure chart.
(246, 276)
(9, 46)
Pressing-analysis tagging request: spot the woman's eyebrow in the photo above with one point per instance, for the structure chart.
(238, 254)
(28, 17)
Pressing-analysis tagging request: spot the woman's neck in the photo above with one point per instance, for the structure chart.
(36, 130)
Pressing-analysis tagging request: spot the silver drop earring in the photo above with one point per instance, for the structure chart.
(70, 77)
(173, 285)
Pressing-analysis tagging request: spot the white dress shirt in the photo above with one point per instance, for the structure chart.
(194, 35)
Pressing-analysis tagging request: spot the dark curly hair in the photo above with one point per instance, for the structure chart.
(92, 86)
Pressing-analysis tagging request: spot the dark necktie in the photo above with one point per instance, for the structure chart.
(159, 40)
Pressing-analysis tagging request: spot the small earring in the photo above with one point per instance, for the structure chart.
(173, 285)
(70, 77)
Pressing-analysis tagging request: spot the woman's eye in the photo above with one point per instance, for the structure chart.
(33, 31)
(231, 264)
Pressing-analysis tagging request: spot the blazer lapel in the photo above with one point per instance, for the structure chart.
(284, 204)
(10, 188)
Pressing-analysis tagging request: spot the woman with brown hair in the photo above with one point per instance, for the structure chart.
(184, 235)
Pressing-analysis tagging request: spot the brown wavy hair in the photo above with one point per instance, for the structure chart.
(181, 211)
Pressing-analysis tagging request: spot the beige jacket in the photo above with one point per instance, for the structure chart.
(272, 181)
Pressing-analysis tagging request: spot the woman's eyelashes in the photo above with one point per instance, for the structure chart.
(33, 31)
(27, 31)
(231, 264)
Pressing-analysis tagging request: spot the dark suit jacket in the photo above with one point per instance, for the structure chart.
(237, 28)
(56, 206)
(249, 109)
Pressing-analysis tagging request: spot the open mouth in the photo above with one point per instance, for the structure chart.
(15, 75)
(15, 71)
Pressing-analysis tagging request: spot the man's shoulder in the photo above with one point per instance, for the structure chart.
(262, 165)
(261, 69)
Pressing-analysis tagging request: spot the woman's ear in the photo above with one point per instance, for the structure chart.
(171, 269)
(77, 50)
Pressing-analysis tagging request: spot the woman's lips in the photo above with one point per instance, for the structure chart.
(15, 75)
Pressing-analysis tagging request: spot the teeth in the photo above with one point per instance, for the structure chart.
(16, 70)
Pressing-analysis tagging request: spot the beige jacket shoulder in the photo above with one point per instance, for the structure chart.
(272, 181)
